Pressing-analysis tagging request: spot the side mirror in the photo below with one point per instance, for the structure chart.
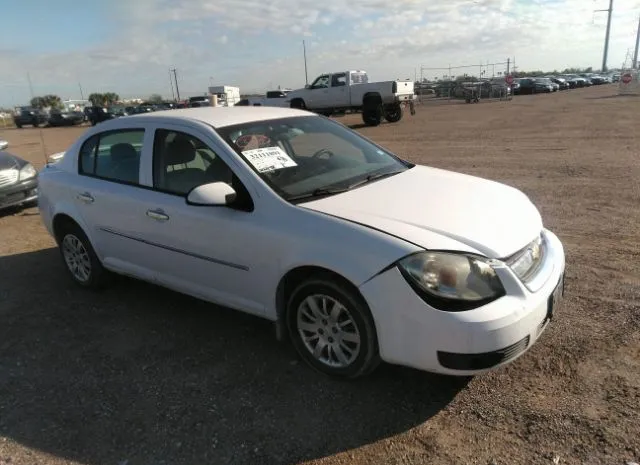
(215, 194)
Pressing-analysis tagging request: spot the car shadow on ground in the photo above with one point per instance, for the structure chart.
(29, 209)
(141, 374)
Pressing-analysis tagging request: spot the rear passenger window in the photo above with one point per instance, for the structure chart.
(114, 155)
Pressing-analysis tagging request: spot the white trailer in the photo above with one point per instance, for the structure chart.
(227, 96)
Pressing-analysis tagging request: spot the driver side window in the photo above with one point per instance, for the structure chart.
(182, 162)
(321, 82)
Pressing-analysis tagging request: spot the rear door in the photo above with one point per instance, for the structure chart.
(110, 197)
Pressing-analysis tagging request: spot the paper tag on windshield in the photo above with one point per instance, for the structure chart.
(269, 159)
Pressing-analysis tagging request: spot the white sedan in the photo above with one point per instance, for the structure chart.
(355, 254)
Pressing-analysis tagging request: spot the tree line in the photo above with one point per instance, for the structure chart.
(54, 101)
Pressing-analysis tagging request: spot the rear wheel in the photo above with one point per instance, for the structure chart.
(332, 329)
(80, 259)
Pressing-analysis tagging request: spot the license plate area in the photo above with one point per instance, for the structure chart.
(555, 298)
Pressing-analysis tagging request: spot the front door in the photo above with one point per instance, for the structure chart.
(318, 95)
(208, 252)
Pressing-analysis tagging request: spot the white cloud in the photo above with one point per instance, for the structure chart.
(252, 43)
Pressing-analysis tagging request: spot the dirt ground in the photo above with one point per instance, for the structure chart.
(139, 375)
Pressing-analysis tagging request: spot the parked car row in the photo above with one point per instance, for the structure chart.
(548, 84)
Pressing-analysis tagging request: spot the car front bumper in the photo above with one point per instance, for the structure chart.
(20, 193)
(411, 333)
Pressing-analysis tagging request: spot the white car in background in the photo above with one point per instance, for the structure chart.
(356, 254)
(3, 144)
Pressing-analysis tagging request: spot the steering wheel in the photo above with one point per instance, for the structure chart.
(322, 151)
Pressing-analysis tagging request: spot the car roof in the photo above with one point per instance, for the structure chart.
(225, 116)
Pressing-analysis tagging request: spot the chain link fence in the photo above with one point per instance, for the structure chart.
(464, 84)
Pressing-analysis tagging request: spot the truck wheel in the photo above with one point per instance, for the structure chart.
(372, 117)
(299, 104)
(393, 113)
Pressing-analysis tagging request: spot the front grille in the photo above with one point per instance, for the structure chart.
(484, 360)
(8, 177)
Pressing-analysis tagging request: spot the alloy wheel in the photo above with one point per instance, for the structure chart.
(328, 331)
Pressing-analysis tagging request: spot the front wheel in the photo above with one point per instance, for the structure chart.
(332, 329)
(298, 104)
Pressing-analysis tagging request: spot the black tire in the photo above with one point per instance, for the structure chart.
(98, 276)
(367, 357)
(19, 126)
(372, 114)
(299, 104)
(394, 113)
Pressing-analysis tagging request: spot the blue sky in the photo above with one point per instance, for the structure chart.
(128, 46)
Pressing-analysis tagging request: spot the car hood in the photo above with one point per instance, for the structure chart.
(438, 209)
(8, 161)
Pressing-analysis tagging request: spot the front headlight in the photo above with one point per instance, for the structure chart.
(27, 172)
(451, 282)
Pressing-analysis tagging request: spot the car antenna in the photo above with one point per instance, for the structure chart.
(44, 148)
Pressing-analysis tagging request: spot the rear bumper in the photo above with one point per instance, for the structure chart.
(23, 192)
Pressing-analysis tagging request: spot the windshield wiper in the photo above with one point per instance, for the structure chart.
(321, 192)
(372, 177)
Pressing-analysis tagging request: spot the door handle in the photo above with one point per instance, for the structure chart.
(85, 197)
(157, 215)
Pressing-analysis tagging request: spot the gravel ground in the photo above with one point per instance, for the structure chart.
(138, 375)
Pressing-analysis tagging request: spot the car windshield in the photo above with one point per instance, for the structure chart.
(310, 156)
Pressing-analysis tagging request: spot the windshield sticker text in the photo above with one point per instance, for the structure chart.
(269, 159)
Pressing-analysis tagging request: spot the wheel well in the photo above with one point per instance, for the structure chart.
(371, 98)
(292, 279)
(59, 221)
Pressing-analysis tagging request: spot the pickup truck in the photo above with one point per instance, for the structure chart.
(351, 91)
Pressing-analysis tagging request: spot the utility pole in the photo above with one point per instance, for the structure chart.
(81, 94)
(175, 77)
(304, 51)
(508, 63)
(635, 54)
(173, 95)
(606, 37)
